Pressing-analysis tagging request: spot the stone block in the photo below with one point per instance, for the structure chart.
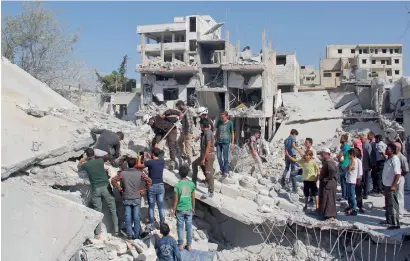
(229, 191)
(264, 200)
(286, 205)
(263, 181)
(248, 194)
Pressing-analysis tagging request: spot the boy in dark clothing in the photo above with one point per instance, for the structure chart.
(166, 247)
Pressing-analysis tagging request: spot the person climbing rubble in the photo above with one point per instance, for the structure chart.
(404, 170)
(254, 151)
(156, 192)
(225, 138)
(328, 186)
(185, 137)
(309, 176)
(131, 189)
(162, 125)
(184, 207)
(108, 143)
(206, 158)
(290, 166)
(100, 188)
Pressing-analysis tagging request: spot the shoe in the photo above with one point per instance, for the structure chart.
(351, 213)
(365, 197)
(384, 222)
(393, 227)
(211, 195)
(361, 211)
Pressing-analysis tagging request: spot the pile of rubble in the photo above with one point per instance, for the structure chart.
(157, 63)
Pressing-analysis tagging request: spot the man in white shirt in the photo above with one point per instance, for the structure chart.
(390, 178)
(404, 170)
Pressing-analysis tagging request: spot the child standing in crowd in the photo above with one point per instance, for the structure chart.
(309, 176)
(166, 247)
(343, 159)
(354, 172)
(184, 207)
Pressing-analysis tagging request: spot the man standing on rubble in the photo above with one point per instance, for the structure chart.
(380, 160)
(206, 158)
(100, 188)
(224, 141)
(327, 186)
(131, 189)
(156, 192)
(343, 159)
(290, 147)
(254, 151)
(391, 176)
(203, 114)
(367, 162)
(108, 143)
(404, 170)
(162, 125)
(185, 137)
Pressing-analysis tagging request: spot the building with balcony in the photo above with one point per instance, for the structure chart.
(190, 61)
(379, 60)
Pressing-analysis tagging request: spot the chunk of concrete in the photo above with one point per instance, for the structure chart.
(230, 191)
(217, 186)
(232, 255)
(51, 227)
(286, 205)
(273, 193)
(248, 194)
(248, 182)
(277, 187)
(300, 250)
(264, 200)
(368, 205)
(212, 247)
(264, 192)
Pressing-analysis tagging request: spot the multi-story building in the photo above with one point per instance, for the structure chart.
(288, 72)
(309, 76)
(190, 59)
(380, 60)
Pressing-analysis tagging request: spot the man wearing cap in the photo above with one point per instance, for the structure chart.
(328, 186)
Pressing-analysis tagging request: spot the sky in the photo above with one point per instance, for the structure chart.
(108, 29)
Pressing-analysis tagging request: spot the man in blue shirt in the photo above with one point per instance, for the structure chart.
(290, 166)
(166, 247)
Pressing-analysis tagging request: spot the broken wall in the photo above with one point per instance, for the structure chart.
(287, 74)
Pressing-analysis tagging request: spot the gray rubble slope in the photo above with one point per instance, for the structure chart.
(39, 225)
(32, 129)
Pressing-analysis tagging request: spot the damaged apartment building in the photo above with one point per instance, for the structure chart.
(189, 60)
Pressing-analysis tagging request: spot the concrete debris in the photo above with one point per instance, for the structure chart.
(158, 64)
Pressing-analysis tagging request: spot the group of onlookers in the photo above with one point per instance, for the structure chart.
(368, 162)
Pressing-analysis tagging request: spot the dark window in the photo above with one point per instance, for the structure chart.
(192, 24)
(352, 51)
(339, 50)
(337, 74)
(327, 75)
(171, 94)
(396, 50)
(396, 72)
(389, 73)
(281, 60)
(383, 61)
(360, 51)
(396, 60)
(384, 50)
(375, 74)
(391, 50)
(373, 61)
(302, 67)
(364, 61)
(161, 78)
(192, 45)
(376, 51)
(388, 62)
(371, 50)
(365, 51)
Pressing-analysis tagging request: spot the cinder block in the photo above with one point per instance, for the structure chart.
(230, 191)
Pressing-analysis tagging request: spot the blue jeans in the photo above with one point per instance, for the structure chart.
(132, 214)
(290, 166)
(343, 182)
(351, 194)
(222, 152)
(156, 194)
(184, 218)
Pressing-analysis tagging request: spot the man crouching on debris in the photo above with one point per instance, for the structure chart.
(131, 180)
(108, 143)
(100, 188)
(206, 158)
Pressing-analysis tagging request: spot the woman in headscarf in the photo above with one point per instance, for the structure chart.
(357, 143)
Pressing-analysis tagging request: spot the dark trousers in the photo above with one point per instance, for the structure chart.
(359, 194)
(392, 206)
(366, 183)
(377, 177)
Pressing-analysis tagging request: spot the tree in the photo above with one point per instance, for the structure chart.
(116, 81)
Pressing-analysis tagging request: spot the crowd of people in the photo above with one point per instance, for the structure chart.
(366, 166)
(133, 182)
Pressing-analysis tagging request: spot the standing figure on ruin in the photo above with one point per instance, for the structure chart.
(224, 142)
(327, 186)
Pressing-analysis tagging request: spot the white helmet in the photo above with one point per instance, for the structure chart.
(202, 110)
(145, 118)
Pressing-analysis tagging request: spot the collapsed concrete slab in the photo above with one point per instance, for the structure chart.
(39, 225)
(32, 130)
